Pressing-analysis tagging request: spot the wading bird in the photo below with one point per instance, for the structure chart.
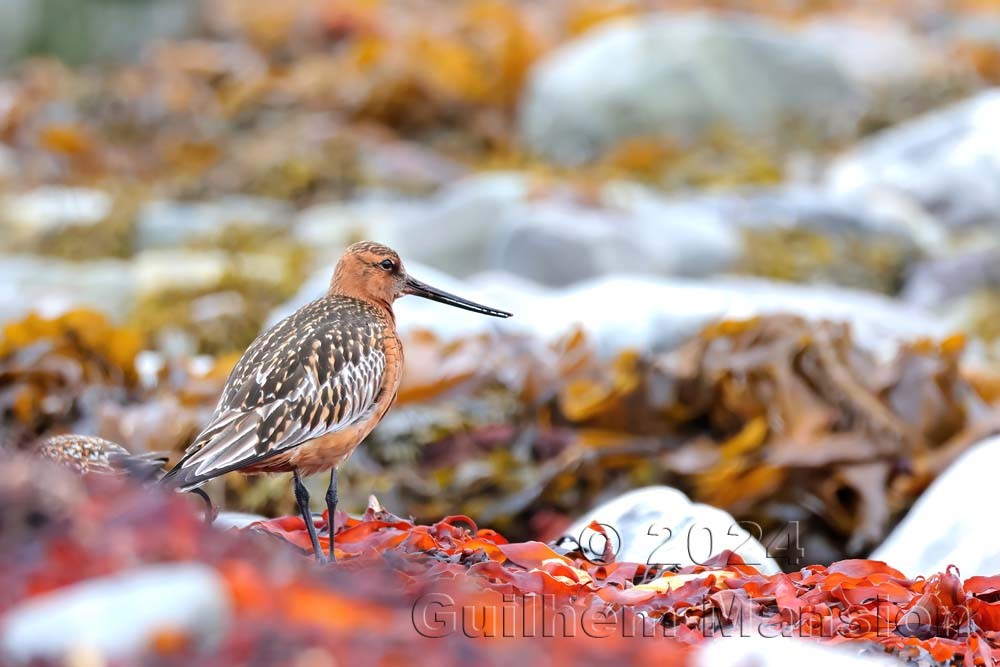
(309, 390)
(87, 454)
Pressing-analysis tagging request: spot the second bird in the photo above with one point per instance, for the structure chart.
(309, 390)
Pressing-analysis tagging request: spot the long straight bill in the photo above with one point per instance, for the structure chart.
(417, 288)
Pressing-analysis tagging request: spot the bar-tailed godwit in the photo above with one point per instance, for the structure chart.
(309, 390)
(87, 454)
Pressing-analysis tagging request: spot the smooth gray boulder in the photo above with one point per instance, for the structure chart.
(902, 72)
(682, 75)
(947, 161)
(963, 290)
(551, 232)
(940, 283)
(559, 241)
(455, 230)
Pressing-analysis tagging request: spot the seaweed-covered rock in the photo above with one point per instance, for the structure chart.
(661, 525)
(681, 75)
(808, 234)
(210, 300)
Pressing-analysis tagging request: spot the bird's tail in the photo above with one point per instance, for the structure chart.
(142, 467)
(219, 449)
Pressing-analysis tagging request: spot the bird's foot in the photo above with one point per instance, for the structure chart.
(211, 511)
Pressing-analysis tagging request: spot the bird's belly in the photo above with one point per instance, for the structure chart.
(328, 451)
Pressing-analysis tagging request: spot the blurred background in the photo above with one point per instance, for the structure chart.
(752, 248)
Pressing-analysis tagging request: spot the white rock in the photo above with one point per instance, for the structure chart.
(236, 520)
(333, 224)
(804, 207)
(682, 75)
(52, 286)
(554, 245)
(658, 524)
(877, 53)
(652, 313)
(557, 242)
(953, 522)
(948, 161)
(644, 312)
(116, 616)
(156, 270)
(545, 231)
(769, 651)
(168, 223)
(679, 236)
(939, 283)
(494, 221)
(53, 206)
(456, 230)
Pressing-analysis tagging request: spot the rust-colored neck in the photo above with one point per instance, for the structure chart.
(345, 283)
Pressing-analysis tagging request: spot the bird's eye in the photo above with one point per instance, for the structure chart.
(387, 264)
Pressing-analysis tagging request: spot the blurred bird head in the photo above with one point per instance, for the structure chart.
(374, 272)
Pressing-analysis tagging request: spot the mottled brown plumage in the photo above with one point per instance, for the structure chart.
(87, 454)
(307, 392)
(314, 374)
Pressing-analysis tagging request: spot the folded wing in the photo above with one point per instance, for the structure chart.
(310, 375)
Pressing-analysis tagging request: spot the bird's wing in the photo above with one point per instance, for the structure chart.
(299, 381)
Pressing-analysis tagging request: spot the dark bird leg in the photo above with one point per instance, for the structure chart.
(302, 498)
(331, 510)
(209, 507)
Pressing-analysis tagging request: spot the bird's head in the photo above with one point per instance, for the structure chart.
(374, 272)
